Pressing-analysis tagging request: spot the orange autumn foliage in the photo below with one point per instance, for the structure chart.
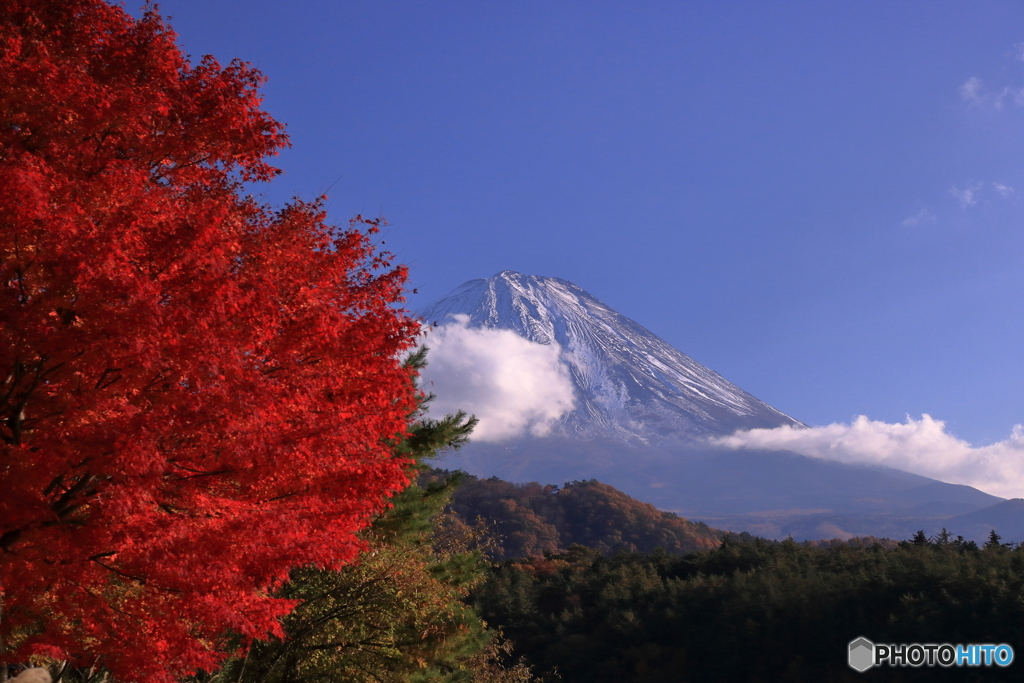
(197, 394)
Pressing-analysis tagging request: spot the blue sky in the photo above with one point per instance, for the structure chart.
(821, 201)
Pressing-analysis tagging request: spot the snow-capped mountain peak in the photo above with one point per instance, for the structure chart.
(629, 383)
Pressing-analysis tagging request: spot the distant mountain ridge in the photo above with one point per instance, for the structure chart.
(525, 520)
(630, 384)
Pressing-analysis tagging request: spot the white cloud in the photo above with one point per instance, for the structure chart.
(974, 192)
(919, 446)
(922, 216)
(513, 385)
(967, 196)
(973, 90)
(1018, 51)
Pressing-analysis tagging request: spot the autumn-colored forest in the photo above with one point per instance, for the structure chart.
(216, 466)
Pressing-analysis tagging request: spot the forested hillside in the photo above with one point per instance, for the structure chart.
(530, 519)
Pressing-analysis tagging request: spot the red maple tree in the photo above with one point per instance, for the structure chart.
(197, 394)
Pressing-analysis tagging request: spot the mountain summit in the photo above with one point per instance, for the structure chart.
(630, 384)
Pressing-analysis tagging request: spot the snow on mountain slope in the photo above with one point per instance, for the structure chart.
(630, 384)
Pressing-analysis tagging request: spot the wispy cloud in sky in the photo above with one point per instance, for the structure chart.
(975, 92)
(972, 90)
(925, 215)
(971, 193)
(1004, 190)
(966, 196)
(919, 446)
(513, 385)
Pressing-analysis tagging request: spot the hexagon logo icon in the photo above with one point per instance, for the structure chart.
(862, 654)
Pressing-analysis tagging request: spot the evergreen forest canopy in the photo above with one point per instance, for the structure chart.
(756, 610)
(213, 458)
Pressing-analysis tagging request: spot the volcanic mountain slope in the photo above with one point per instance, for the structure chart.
(630, 384)
(644, 412)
